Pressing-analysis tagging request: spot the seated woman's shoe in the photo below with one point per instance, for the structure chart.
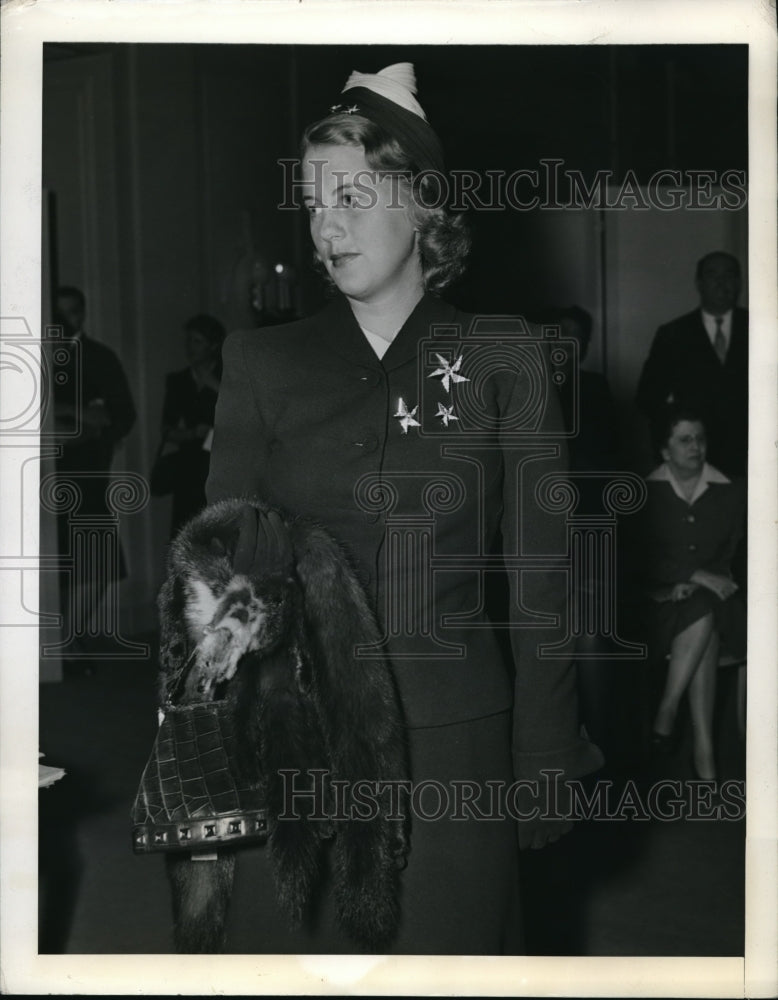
(706, 801)
(663, 744)
(704, 767)
(709, 794)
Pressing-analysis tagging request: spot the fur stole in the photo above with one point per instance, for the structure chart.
(282, 653)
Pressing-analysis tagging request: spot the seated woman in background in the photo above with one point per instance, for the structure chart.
(188, 414)
(695, 520)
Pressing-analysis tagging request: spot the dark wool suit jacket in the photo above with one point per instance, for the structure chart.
(185, 401)
(682, 366)
(686, 537)
(307, 420)
(94, 372)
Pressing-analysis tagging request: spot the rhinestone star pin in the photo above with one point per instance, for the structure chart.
(407, 417)
(352, 110)
(446, 413)
(449, 371)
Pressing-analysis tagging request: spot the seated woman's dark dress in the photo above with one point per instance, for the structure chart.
(682, 537)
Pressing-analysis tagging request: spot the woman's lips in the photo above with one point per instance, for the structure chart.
(338, 259)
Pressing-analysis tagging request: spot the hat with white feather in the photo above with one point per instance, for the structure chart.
(387, 98)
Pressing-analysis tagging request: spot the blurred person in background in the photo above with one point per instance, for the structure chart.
(188, 416)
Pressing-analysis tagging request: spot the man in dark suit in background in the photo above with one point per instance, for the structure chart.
(94, 400)
(700, 360)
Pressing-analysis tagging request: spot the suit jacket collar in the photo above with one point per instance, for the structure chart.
(430, 311)
(702, 343)
(344, 335)
(709, 474)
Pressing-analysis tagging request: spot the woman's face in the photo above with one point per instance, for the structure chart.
(361, 224)
(685, 449)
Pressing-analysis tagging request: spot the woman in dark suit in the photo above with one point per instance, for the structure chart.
(695, 520)
(415, 433)
(188, 414)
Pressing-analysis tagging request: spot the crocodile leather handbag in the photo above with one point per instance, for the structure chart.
(190, 796)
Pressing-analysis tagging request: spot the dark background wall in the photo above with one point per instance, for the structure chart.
(162, 160)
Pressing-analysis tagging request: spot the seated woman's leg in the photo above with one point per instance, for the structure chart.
(686, 652)
(702, 695)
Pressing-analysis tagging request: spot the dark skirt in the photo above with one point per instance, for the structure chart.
(669, 618)
(460, 890)
(101, 568)
(189, 491)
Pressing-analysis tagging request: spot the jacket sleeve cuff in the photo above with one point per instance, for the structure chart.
(575, 760)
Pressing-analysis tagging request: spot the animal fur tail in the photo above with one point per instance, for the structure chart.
(201, 892)
(362, 719)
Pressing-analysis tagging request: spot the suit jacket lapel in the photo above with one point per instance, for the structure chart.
(704, 346)
(429, 311)
(342, 335)
(738, 345)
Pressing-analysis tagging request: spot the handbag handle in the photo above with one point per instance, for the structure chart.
(176, 683)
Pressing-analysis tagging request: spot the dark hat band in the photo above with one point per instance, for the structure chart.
(414, 134)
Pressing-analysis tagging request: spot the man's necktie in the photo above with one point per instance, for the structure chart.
(720, 341)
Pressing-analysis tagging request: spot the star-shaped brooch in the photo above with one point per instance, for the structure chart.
(446, 413)
(407, 417)
(449, 372)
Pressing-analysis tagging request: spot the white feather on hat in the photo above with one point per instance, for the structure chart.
(396, 83)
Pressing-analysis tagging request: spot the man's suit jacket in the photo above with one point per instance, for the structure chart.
(309, 419)
(93, 371)
(682, 367)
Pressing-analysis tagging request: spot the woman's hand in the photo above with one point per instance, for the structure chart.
(722, 586)
(551, 801)
(264, 547)
(682, 590)
(207, 376)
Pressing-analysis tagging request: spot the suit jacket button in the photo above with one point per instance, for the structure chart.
(368, 444)
(690, 518)
(692, 548)
(370, 379)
